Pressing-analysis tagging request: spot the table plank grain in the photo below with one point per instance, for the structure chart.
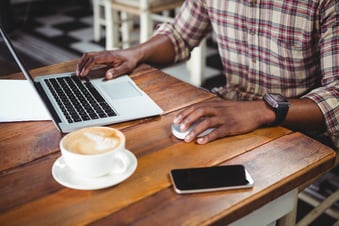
(223, 207)
(278, 159)
(150, 177)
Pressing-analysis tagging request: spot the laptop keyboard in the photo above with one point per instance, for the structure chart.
(78, 100)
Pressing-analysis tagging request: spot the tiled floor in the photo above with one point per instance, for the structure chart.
(49, 32)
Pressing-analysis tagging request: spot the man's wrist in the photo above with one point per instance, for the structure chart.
(138, 54)
(268, 113)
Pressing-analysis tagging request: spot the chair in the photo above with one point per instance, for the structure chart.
(115, 14)
(117, 18)
(321, 207)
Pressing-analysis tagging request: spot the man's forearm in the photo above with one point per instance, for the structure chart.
(304, 114)
(158, 50)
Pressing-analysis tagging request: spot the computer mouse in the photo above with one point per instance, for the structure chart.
(182, 134)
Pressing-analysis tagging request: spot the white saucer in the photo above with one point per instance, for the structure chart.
(64, 176)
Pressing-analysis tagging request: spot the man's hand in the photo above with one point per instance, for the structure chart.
(125, 61)
(227, 117)
(120, 62)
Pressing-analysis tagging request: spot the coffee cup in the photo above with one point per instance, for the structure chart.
(94, 151)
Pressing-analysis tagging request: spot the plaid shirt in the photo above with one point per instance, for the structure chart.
(289, 47)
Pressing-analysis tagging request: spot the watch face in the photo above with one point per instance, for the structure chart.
(276, 100)
(278, 97)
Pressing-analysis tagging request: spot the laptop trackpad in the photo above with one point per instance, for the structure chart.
(119, 90)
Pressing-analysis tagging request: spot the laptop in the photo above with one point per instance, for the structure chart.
(75, 102)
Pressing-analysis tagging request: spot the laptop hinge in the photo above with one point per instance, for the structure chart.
(47, 103)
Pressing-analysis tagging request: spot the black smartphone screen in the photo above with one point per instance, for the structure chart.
(210, 178)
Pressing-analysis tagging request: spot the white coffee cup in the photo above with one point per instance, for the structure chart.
(95, 151)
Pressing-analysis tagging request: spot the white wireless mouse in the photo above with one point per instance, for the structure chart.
(182, 134)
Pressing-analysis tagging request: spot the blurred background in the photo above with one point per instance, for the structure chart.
(47, 32)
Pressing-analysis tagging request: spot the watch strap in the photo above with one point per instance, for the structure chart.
(280, 115)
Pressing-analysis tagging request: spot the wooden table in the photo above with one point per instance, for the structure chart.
(278, 159)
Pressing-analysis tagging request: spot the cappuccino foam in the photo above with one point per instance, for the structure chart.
(92, 140)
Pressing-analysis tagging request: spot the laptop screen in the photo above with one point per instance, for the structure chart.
(15, 55)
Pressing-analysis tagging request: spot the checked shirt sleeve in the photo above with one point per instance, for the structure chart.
(327, 96)
(190, 26)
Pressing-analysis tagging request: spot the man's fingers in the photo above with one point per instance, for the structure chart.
(117, 71)
(89, 60)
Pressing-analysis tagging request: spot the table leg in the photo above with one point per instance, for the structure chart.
(276, 210)
(290, 218)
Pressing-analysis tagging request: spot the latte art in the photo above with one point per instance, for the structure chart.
(102, 143)
(92, 141)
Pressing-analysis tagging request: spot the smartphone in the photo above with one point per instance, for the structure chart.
(215, 178)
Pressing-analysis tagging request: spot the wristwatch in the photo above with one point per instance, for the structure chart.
(280, 105)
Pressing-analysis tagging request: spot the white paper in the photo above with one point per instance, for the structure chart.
(20, 102)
